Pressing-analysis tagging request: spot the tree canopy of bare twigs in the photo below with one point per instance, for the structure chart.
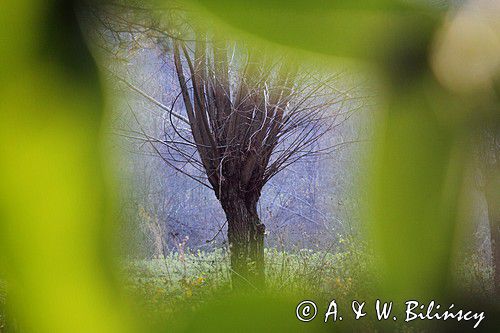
(238, 116)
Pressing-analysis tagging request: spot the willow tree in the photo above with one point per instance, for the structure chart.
(249, 118)
(238, 117)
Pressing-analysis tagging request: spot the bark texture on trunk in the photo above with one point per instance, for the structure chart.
(246, 240)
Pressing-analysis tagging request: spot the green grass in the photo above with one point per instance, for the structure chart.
(178, 281)
(168, 286)
(164, 288)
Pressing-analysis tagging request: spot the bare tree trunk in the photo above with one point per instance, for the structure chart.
(246, 240)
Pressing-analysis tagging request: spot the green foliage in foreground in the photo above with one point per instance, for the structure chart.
(167, 287)
(187, 279)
